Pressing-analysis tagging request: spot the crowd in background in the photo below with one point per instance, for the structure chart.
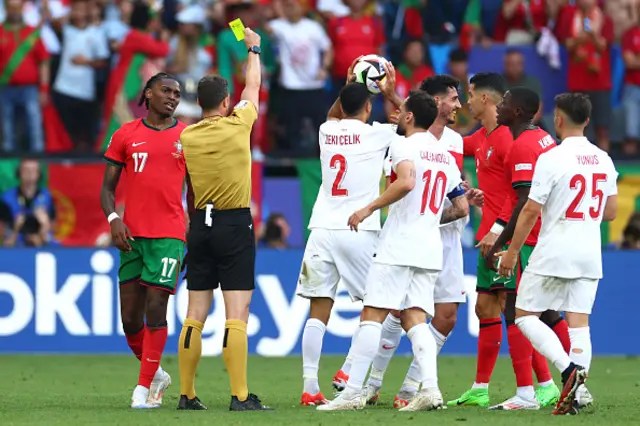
(71, 71)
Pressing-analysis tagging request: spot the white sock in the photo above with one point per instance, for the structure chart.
(526, 392)
(480, 385)
(544, 340)
(580, 352)
(425, 354)
(346, 367)
(389, 340)
(440, 338)
(141, 393)
(312, 337)
(545, 384)
(412, 379)
(364, 349)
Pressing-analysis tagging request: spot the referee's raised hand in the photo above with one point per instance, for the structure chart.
(251, 38)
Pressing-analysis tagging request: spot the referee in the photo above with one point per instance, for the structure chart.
(221, 240)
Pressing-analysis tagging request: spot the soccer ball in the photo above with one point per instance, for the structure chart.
(369, 71)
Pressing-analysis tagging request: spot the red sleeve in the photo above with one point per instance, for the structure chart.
(459, 159)
(138, 42)
(564, 25)
(41, 51)
(116, 151)
(379, 31)
(627, 41)
(470, 144)
(607, 30)
(521, 162)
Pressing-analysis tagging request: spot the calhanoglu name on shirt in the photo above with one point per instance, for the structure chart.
(353, 139)
(443, 158)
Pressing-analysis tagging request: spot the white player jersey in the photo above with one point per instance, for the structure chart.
(573, 182)
(411, 234)
(351, 157)
(452, 141)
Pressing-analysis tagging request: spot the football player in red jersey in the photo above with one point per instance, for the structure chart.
(151, 234)
(516, 111)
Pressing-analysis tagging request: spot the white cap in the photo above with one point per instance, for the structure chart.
(191, 15)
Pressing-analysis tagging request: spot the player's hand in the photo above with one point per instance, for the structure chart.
(393, 118)
(388, 84)
(80, 60)
(487, 243)
(507, 261)
(251, 38)
(475, 197)
(351, 77)
(358, 217)
(490, 258)
(322, 75)
(120, 235)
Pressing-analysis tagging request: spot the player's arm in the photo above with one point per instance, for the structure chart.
(108, 191)
(610, 208)
(459, 208)
(335, 112)
(253, 74)
(525, 222)
(506, 234)
(404, 183)
(115, 158)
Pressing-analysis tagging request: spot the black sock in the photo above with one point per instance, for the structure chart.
(567, 373)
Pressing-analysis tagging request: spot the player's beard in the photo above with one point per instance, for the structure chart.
(400, 131)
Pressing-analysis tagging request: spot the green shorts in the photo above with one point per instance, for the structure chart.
(155, 262)
(488, 280)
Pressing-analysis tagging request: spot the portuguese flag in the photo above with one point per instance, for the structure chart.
(470, 24)
(135, 65)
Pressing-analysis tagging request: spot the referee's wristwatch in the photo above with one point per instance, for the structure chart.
(254, 49)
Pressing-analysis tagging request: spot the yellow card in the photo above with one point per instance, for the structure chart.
(238, 29)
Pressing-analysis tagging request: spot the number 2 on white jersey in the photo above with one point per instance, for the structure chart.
(579, 183)
(339, 162)
(139, 160)
(433, 192)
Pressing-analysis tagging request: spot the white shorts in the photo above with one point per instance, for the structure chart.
(400, 287)
(538, 293)
(334, 255)
(450, 284)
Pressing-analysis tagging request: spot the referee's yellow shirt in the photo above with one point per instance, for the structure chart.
(218, 156)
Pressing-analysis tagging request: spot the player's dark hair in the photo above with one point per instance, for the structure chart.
(439, 84)
(525, 99)
(353, 98)
(458, 55)
(513, 51)
(489, 81)
(150, 83)
(140, 15)
(423, 107)
(577, 106)
(212, 90)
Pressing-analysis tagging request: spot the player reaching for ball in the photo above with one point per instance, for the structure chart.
(404, 269)
(449, 288)
(351, 154)
(151, 234)
(574, 187)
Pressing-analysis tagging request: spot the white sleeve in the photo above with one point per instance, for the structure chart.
(543, 180)
(102, 45)
(399, 151)
(323, 39)
(385, 133)
(612, 180)
(276, 28)
(386, 166)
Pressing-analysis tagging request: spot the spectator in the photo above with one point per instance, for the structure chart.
(276, 232)
(32, 233)
(411, 71)
(588, 33)
(520, 21)
(24, 77)
(29, 199)
(140, 56)
(84, 49)
(190, 59)
(459, 68)
(332, 9)
(305, 55)
(515, 76)
(623, 13)
(631, 96)
(354, 35)
(6, 222)
(631, 234)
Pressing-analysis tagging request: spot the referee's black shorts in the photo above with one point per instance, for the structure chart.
(221, 250)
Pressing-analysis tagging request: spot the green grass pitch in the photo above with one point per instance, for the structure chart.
(88, 390)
